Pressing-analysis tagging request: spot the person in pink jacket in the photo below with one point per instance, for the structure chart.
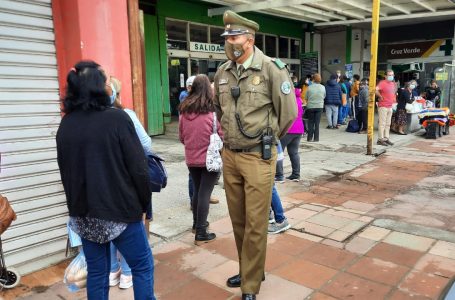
(291, 141)
(195, 128)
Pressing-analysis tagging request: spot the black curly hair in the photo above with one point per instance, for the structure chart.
(86, 88)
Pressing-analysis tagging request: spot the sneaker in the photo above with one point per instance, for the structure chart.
(329, 127)
(388, 142)
(279, 227)
(294, 178)
(114, 278)
(279, 179)
(271, 218)
(126, 281)
(382, 143)
(214, 200)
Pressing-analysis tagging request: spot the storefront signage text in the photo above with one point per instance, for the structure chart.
(204, 47)
(420, 49)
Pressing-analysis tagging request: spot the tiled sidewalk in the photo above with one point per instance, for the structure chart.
(335, 249)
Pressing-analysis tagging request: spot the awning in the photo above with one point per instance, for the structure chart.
(343, 12)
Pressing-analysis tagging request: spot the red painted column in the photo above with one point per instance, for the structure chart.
(95, 30)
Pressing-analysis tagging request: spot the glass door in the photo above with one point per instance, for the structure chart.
(177, 68)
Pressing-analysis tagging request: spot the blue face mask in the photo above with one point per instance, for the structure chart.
(390, 78)
(114, 94)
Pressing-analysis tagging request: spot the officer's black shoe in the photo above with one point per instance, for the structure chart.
(248, 297)
(203, 236)
(235, 281)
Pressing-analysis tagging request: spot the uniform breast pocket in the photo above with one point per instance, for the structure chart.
(224, 95)
(258, 95)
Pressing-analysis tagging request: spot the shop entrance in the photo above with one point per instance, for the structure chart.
(180, 68)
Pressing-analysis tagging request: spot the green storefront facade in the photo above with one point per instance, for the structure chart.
(181, 40)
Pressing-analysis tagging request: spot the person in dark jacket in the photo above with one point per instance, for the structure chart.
(433, 93)
(105, 177)
(361, 106)
(332, 101)
(405, 96)
(195, 128)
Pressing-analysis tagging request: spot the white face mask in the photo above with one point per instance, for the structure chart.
(390, 77)
(412, 86)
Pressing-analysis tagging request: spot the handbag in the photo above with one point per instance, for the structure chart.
(353, 125)
(157, 172)
(213, 160)
(7, 214)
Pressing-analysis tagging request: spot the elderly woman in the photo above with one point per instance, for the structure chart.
(405, 96)
(314, 96)
(105, 176)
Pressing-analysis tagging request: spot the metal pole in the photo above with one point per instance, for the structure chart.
(373, 72)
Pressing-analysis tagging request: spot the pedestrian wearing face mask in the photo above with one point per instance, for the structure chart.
(433, 93)
(256, 103)
(386, 91)
(405, 96)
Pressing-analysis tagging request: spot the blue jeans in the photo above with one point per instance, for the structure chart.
(331, 111)
(277, 207)
(126, 270)
(133, 244)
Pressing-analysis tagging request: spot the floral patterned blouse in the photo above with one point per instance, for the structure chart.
(96, 230)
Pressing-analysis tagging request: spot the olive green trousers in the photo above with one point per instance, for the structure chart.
(248, 182)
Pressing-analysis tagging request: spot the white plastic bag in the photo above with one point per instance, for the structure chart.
(76, 273)
(213, 160)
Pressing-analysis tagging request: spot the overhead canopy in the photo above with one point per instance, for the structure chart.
(343, 12)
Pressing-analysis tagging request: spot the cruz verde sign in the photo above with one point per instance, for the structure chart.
(204, 47)
(420, 49)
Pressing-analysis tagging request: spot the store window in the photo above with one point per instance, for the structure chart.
(294, 70)
(215, 35)
(295, 48)
(283, 47)
(259, 41)
(198, 33)
(176, 35)
(270, 45)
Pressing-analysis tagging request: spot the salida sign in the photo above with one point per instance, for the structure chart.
(409, 50)
(204, 47)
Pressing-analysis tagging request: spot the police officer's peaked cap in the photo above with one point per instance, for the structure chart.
(236, 25)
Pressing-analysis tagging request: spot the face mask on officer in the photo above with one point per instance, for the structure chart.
(234, 51)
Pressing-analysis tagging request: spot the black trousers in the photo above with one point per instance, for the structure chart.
(314, 118)
(203, 183)
(361, 115)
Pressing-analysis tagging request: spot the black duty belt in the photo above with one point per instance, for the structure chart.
(257, 148)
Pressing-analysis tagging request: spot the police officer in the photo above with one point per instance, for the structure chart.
(256, 102)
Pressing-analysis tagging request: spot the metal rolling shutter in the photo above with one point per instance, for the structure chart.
(29, 118)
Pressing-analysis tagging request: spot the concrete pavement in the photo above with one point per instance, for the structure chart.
(363, 227)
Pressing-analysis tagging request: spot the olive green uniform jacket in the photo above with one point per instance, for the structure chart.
(267, 99)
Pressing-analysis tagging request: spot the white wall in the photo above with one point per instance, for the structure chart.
(333, 46)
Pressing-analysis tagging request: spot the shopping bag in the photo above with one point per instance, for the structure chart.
(74, 238)
(213, 160)
(157, 172)
(75, 277)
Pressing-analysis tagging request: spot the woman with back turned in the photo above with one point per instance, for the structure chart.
(105, 176)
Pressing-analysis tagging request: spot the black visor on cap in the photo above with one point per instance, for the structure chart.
(234, 32)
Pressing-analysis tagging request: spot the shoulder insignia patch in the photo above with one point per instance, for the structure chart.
(279, 63)
(286, 87)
